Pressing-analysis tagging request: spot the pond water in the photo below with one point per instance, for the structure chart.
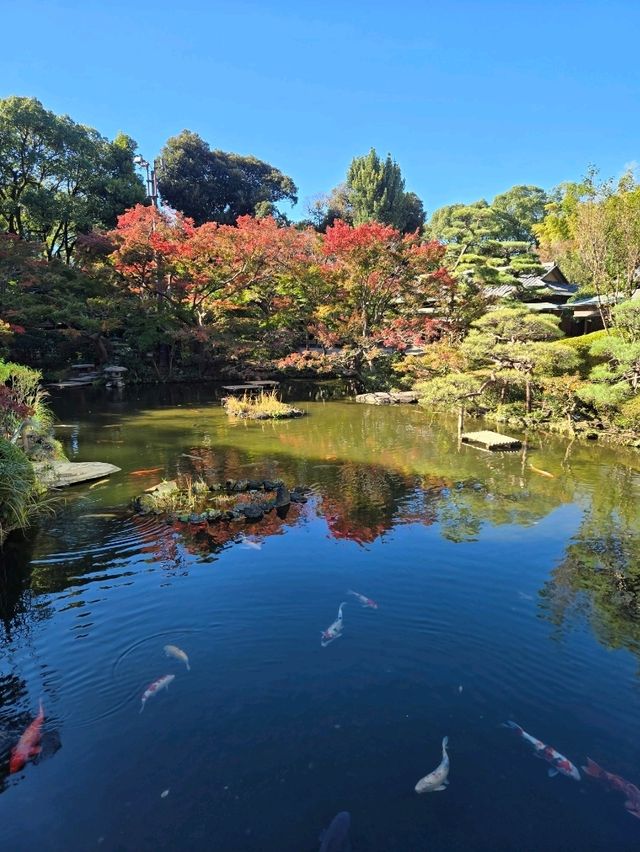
(503, 593)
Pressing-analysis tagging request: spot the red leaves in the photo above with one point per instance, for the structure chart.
(10, 404)
(383, 276)
(342, 239)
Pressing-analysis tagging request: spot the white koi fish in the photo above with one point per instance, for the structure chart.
(559, 763)
(334, 631)
(155, 687)
(363, 600)
(177, 654)
(439, 778)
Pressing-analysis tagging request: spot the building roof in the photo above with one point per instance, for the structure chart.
(551, 280)
(544, 306)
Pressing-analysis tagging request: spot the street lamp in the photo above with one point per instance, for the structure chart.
(152, 184)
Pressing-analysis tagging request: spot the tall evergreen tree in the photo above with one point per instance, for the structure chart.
(376, 193)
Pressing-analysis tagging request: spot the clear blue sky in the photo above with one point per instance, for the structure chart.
(469, 97)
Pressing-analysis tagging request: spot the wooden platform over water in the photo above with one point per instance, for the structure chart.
(490, 440)
(251, 387)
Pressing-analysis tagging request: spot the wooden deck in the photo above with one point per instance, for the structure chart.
(250, 387)
(490, 441)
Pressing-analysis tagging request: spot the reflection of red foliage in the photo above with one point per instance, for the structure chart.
(209, 538)
(342, 526)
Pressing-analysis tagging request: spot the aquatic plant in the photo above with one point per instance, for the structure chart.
(264, 406)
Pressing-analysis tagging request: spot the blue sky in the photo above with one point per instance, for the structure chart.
(469, 97)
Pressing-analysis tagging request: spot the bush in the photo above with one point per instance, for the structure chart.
(629, 417)
(582, 347)
(18, 489)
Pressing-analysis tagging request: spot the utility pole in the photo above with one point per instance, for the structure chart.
(152, 183)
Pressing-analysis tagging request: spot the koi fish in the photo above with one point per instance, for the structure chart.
(155, 687)
(99, 482)
(178, 654)
(615, 782)
(28, 745)
(145, 472)
(334, 631)
(439, 778)
(363, 600)
(559, 763)
(542, 472)
(189, 456)
(336, 837)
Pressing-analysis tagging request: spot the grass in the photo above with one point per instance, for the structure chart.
(263, 406)
(21, 497)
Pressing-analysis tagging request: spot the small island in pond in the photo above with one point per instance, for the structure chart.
(263, 406)
(200, 502)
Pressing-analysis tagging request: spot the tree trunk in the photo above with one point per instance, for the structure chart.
(527, 391)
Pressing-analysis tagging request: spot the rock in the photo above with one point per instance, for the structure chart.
(241, 485)
(388, 397)
(254, 485)
(253, 512)
(163, 489)
(297, 497)
(214, 515)
(283, 497)
(272, 484)
(58, 474)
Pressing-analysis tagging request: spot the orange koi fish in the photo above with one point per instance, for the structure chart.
(542, 472)
(28, 745)
(615, 782)
(145, 472)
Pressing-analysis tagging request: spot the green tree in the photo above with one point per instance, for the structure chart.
(376, 194)
(209, 185)
(59, 178)
(518, 210)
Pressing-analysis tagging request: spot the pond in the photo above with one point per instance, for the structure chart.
(508, 588)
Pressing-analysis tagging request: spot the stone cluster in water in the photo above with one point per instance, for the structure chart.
(216, 502)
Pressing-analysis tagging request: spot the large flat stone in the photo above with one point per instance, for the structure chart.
(59, 474)
(388, 397)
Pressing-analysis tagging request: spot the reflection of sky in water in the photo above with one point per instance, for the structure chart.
(489, 577)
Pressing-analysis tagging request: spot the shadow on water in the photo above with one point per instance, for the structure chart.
(503, 580)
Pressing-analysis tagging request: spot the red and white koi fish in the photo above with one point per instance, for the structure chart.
(559, 763)
(363, 600)
(615, 782)
(28, 745)
(155, 687)
(334, 631)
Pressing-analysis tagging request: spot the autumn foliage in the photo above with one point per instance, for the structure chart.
(262, 288)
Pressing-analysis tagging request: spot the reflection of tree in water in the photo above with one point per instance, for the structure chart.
(599, 577)
(364, 502)
(18, 611)
(502, 498)
(207, 539)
